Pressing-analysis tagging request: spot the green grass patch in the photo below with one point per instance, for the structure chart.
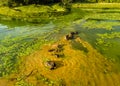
(31, 13)
(97, 5)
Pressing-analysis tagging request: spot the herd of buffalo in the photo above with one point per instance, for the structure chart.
(57, 49)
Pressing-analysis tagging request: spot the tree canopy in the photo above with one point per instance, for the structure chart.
(97, 1)
(47, 2)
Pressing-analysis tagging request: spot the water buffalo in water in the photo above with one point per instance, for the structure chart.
(71, 35)
(50, 64)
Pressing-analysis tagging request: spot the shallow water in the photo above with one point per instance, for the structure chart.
(17, 40)
(90, 35)
(24, 30)
(14, 34)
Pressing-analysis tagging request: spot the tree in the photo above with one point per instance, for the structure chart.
(67, 4)
(96, 0)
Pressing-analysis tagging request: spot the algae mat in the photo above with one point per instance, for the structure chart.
(75, 68)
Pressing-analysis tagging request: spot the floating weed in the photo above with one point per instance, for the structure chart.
(23, 83)
(11, 49)
(45, 80)
(109, 35)
(103, 38)
(61, 82)
(94, 24)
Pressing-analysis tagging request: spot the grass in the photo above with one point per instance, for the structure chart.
(101, 10)
(97, 5)
(30, 13)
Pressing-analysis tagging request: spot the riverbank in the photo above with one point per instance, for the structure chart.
(97, 5)
(45, 13)
(31, 13)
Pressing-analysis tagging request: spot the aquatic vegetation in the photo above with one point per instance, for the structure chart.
(96, 24)
(101, 26)
(111, 16)
(14, 47)
(23, 83)
(45, 80)
(97, 5)
(29, 49)
(109, 35)
(104, 39)
(74, 60)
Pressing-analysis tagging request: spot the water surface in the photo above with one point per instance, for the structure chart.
(20, 38)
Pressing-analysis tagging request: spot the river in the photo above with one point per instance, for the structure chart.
(21, 38)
